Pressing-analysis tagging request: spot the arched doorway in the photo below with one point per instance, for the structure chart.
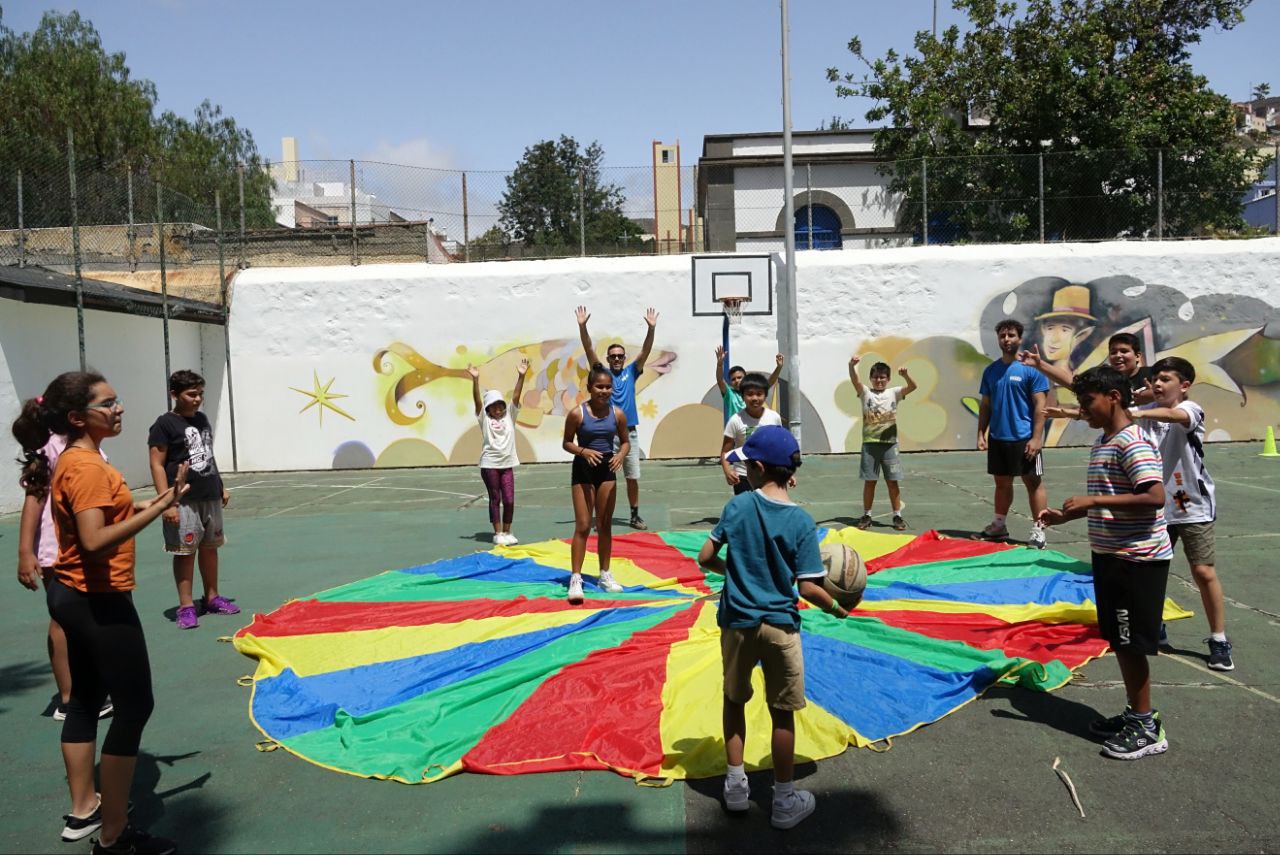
(825, 229)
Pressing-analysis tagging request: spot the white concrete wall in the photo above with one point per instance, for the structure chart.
(930, 309)
(39, 342)
(758, 194)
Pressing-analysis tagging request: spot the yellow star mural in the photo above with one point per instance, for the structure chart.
(649, 409)
(322, 397)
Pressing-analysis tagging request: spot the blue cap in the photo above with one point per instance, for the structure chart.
(772, 445)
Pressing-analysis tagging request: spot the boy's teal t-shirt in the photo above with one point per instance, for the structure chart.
(733, 403)
(771, 545)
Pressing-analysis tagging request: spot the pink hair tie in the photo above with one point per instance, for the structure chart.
(40, 400)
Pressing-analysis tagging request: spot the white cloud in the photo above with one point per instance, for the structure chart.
(418, 151)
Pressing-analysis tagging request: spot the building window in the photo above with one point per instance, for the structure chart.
(331, 220)
(666, 155)
(826, 228)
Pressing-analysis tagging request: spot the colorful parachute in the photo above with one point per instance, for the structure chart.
(479, 664)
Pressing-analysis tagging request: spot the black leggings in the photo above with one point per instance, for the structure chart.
(107, 653)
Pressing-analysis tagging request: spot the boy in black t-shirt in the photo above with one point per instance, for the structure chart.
(193, 527)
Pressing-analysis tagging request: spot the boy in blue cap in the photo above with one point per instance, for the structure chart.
(773, 546)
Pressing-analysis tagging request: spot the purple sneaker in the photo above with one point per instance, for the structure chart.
(187, 617)
(220, 605)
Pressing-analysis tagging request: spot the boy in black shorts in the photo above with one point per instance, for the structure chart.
(1011, 431)
(1131, 553)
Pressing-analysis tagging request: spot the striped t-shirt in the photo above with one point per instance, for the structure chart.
(1118, 465)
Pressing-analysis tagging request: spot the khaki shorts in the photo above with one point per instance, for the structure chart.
(630, 463)
(1197, 541)
(778, 651)
(199, 527)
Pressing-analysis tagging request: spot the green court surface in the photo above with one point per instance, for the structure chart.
(978, 780)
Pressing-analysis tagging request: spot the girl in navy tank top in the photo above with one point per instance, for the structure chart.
(589, 433)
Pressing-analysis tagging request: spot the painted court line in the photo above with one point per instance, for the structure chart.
(1249, 486)
(322, 498)
(1221, 676)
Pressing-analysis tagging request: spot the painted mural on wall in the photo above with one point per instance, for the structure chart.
(419, 396)
(1225, 336)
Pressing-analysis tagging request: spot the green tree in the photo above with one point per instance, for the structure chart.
(540, 205)
(1096, 86)
(59, 76)
(1261, 91)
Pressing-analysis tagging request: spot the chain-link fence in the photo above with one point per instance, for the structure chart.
(122, 225)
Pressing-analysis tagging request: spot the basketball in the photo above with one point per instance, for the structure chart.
(846, 574)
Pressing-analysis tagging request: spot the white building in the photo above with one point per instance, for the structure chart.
(841, 199)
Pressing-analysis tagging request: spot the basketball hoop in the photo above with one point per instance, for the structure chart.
(733, 309)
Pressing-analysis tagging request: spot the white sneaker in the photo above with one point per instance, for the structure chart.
(1036, 541)
(608, 583)
(791, 810)
(499, 539)
(512, 540)
(575, 588)
(737, 794)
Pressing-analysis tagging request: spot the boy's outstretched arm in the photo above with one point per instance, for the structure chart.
(853, 375)
(475, 389)
(1173, 415)
(650, 318)
(911, 384)
(1056, 373)
(814, 593)
(777, 370)
(720, 382)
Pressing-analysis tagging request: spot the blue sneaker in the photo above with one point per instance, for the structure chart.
(1220, 655)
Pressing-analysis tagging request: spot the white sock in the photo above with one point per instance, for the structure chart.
(1218, 636)
(781, 790)
(999, 519)
(737, 773)
(866, 512)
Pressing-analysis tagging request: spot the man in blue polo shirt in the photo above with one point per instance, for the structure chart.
(1013, 402)
(624, 397)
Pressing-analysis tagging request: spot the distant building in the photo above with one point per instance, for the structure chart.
(668, 209)
(1260, 115)
(1260, 201)
(299, 200)
(841, 199)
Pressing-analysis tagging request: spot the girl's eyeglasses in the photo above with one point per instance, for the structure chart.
(109, 404)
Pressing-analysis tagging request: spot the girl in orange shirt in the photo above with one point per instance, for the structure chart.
(96, 520)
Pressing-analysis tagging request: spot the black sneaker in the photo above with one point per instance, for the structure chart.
(638, 524)
(1220, 655)
(1136, 740)
(864, 522)
(136, 842)
(899, 524)
(1113, 725)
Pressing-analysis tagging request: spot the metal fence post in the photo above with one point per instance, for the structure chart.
(1159, 194)
(808, 199)
(75, 241)
(132, 236)
(355, 239)
(582, 215)
(240, 181)
(466, 234)
(1041, 156)
(22, 236)
(1275, 183)
(924, 199)
(164, 286)
(226, 326)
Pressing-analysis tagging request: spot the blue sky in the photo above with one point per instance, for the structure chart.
(471, 84)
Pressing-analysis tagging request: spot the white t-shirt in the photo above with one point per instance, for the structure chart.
(1188, 488)
(742, 426)
(499, 438)
(880, 414)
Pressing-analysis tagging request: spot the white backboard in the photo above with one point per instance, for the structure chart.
(749, 276)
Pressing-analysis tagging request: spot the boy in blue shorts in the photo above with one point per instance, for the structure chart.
(1131, 553)
(773, 544)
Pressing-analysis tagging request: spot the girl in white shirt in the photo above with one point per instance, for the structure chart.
(498, 457)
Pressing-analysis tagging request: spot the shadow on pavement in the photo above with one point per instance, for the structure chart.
(20, 678)
(605, 826)
(1050, 709)
(192, 821)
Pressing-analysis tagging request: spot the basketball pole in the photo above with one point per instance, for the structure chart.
(788, 329)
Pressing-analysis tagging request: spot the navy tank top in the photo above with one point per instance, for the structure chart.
(597, 433)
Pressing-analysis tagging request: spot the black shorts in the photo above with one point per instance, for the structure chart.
(1009, 458)
(743, 486)
(1130, 599)
(585, 473)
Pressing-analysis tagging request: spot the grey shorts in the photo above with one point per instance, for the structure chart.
(1197, 541)
(631, 464)
(880, 457)
(199, 527)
